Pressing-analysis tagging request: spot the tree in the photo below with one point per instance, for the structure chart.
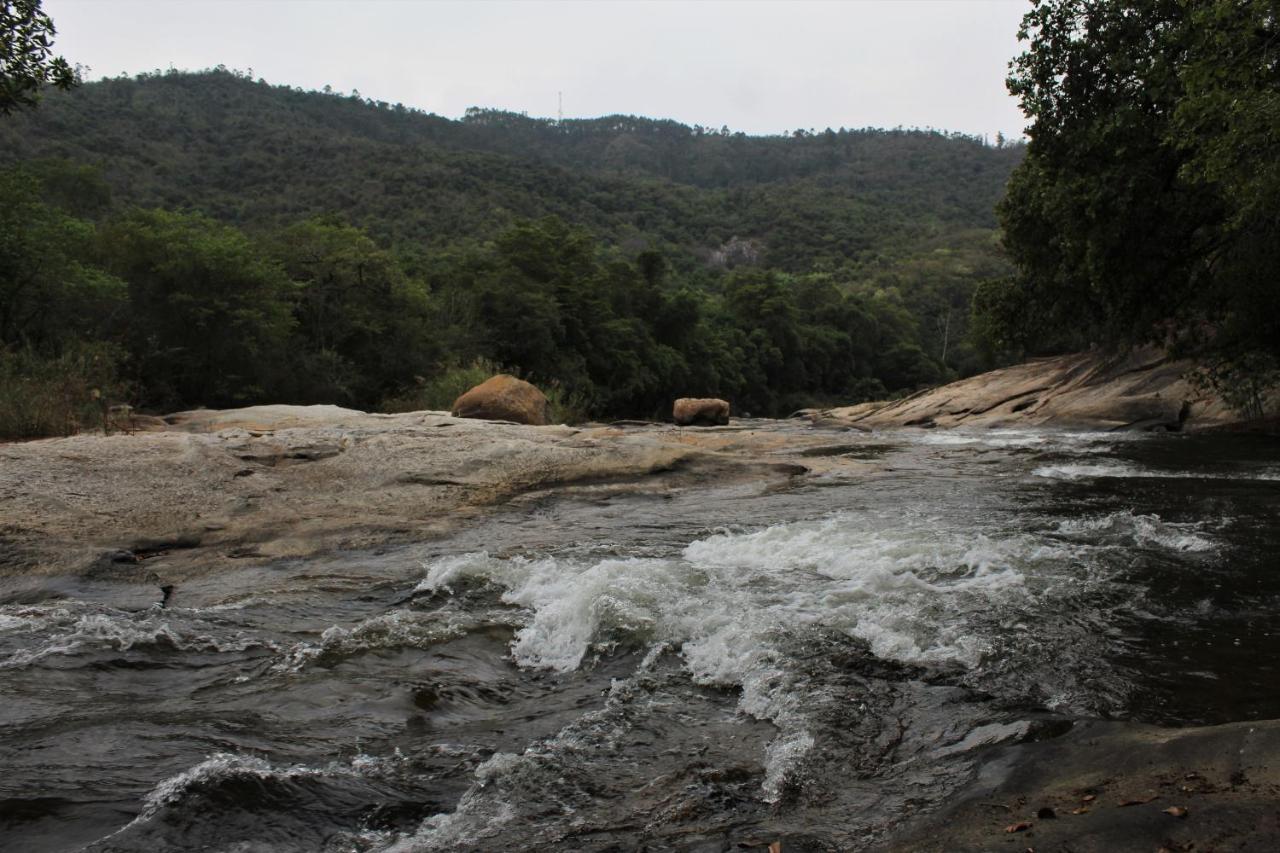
(364, 326)
(1228, 121)
(59, 313)
(50, 293)
(1146, 208)
(26, 55)
(209, 315)
(1105, 231)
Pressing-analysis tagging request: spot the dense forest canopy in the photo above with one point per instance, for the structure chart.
(183, 239)
(1148, 206)
(260, 155)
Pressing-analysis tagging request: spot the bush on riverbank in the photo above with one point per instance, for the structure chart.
(42, 397)
(438, 393)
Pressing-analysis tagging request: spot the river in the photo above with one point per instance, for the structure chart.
(706, 668)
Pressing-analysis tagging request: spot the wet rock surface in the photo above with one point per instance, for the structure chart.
(1108, 786)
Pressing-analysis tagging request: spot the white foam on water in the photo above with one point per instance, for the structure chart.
(902, 584)
(1080, 472)
(916, 587)
(993, 438)
(505, 777)
(1142, 530)
(10, 622)
(783, 754)
(726, 593)
(1044, 439)
(219, 766)
(29, 617)
(1123, 470)
(478, 813)
(222, 766)
(65, 630)
(394, 629)
(1102, 436)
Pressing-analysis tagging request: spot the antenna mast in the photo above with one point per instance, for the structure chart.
(560, 109)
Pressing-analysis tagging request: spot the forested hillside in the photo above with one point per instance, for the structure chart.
(328, 248)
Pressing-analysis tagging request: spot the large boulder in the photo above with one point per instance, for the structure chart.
(504, 398)
(706, 411)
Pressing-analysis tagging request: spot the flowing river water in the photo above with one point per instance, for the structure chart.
(705, 668)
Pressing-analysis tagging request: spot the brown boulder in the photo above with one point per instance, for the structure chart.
(504, 398)
(707, 411)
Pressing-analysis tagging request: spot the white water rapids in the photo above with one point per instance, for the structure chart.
(824, 660)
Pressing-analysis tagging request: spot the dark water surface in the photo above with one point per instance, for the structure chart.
(697, 670)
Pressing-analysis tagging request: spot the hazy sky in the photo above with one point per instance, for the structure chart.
(759, 67)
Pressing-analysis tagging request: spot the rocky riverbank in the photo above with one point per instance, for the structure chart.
(1143, 390)
(205, 490)
(1107, 786)
(199, 490)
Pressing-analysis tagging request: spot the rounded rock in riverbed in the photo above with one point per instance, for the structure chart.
(704, 411)
(504, 398)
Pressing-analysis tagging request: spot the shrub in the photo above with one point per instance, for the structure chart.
(1245, 382)
(567, 407)
(43, 396)
(439, 392)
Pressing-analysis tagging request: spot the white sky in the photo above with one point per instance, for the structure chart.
(759, 67)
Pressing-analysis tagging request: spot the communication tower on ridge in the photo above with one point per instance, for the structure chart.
(560, 108)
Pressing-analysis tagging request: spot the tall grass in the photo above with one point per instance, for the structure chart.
(438, 393)
(567, 406)
(49, 396)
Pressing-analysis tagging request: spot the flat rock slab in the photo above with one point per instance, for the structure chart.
(1142, 389)
(219, 490)
(1119, 787)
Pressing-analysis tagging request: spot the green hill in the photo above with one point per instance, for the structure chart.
(259, 155)
(863, 245)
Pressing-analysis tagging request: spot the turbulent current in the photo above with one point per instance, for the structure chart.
(705, 668)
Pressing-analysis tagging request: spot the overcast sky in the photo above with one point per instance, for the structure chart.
(759, 67)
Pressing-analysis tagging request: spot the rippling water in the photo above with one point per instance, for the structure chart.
(695, 670)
